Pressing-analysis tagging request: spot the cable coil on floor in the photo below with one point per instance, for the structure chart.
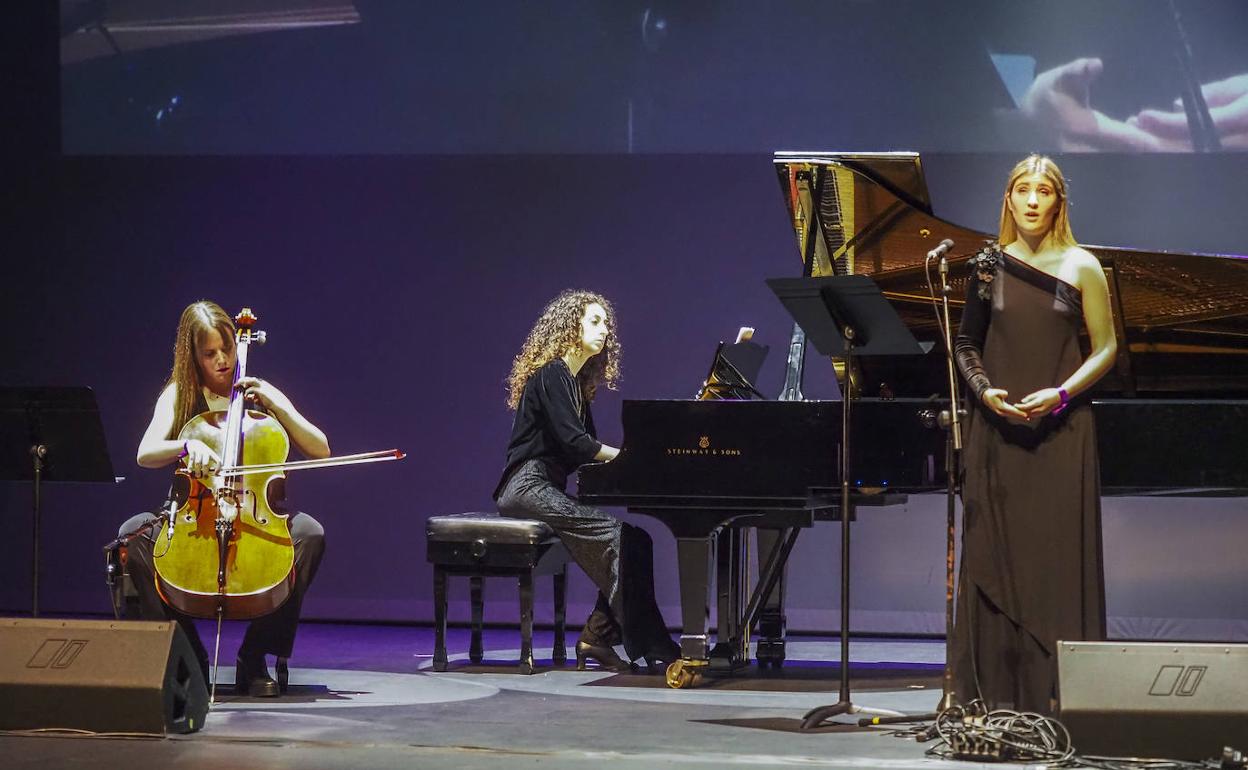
(973, 733)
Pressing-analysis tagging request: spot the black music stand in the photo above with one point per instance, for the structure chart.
(845, 316)
(50, 434)
(733, 372)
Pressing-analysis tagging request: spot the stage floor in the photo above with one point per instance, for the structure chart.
(365, 696)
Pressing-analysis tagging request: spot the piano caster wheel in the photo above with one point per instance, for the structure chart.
(683, 674)
(770, 654)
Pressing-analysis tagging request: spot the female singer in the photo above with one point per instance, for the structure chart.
(202, 380)
(1032, 568)
(570, 351)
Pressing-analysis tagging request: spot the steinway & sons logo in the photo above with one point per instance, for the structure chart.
(704, 449)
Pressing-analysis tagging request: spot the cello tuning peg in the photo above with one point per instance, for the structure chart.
(259, 338)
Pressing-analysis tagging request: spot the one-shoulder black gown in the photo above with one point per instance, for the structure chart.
(1032, 570)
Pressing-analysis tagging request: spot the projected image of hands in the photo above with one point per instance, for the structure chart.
(652, 76)
(1228, 107)
(1060, 101)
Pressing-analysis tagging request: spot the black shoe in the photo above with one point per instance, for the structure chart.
(603, 655)
(283, 675)
(251, 677)
(661, 655)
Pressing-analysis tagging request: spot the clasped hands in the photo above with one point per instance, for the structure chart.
(1034, 405)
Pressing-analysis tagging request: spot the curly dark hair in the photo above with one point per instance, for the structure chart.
(558, 331)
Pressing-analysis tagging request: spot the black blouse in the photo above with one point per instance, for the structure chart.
(552, 423)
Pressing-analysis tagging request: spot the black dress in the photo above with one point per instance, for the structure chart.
(552, 435)
(1032, 570)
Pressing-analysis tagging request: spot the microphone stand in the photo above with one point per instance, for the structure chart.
(951, 420)
(112, 567)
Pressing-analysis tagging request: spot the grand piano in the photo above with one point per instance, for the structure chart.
(1171, 415)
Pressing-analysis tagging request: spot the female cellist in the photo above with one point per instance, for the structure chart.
(202, 380)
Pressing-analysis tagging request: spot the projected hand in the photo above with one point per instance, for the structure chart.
(1228, 106)
(1059, 99)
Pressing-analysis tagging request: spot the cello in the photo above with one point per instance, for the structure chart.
(223, 548)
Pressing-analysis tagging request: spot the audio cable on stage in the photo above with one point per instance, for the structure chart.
(973, 733)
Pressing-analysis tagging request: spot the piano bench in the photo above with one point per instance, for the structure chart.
(481, 545)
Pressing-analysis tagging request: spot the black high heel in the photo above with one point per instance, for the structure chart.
(605, 657)
(251, 677)
(661, 656)
(283, 675)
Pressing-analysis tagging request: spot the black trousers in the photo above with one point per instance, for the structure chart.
(618, 558)
(272, 634)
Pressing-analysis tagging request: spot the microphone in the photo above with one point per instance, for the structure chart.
(940, 250)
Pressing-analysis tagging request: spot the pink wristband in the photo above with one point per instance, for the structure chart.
(1065, 400)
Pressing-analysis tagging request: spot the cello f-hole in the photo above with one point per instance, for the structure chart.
(255, 507)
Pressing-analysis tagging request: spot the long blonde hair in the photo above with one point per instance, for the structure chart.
(558, 331)
(1059, 232)
(197, 320)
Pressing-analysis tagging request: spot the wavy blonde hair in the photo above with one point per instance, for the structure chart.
(558, 331)
(197, 320)
(1060, 229)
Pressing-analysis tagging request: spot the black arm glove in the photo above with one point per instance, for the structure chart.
(969, 342)
(971, 366)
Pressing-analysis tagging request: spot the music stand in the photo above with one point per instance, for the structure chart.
(50, 434)
(845, 316)
(733, 371)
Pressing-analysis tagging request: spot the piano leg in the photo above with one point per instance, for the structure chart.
(693, 560)
(771, 621)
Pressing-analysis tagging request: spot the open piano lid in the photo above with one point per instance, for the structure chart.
(1181, 319)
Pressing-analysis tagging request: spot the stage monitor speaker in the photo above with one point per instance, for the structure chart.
(1153, 699)
(100, 675)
